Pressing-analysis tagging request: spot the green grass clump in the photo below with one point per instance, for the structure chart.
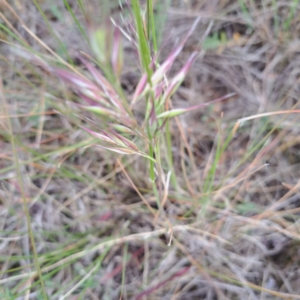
(111, 194)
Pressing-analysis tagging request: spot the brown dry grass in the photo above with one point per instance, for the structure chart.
(239, 242)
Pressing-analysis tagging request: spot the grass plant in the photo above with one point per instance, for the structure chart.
(185, 187)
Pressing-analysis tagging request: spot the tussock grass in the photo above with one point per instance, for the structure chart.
(149, 150)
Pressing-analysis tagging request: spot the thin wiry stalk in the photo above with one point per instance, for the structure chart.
(52, 32)
(76, 20)
(22, 189)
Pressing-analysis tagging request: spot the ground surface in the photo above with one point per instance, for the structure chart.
(95, 238)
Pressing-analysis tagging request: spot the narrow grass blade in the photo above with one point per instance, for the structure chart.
(165, 67)
(76, 21)
(144, 51)
(179, 111)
